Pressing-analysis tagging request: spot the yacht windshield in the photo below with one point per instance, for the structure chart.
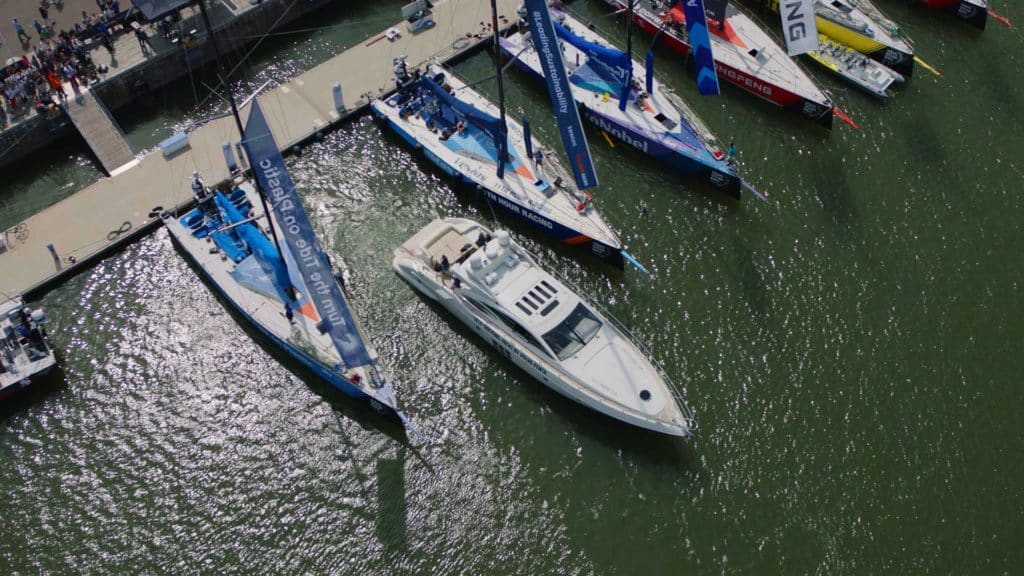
(573, 333)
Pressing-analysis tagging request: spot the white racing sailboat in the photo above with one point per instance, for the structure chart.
(287, 289)
(495, 287)
(745, 55)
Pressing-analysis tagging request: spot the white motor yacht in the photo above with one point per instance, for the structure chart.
(495, 287)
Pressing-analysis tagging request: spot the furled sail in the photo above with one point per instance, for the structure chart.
(297, 233)
(703, 58)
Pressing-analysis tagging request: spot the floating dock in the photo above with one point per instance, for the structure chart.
(68, 236)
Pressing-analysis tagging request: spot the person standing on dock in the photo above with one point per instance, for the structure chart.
(20, 30)
(108, 44)
(69, 73)
(56, 85)
(140, 34)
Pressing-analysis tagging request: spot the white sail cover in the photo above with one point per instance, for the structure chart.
(798, 26)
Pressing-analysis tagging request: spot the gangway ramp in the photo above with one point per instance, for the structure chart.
(101, 133)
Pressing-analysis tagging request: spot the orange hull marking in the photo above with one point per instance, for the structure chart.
(728, 34)
(308, 311)
(577, 240)
(523, 171)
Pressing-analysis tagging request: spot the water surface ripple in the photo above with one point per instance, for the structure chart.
(851, 349)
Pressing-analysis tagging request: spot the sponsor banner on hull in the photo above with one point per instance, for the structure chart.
(798, 26)
(728, 183)
(895, 59)
(973, 14)
(655, 149)
(560, 232)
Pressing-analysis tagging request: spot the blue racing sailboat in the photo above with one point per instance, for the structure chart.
(286, 287)
(647, 117)
(459, 131)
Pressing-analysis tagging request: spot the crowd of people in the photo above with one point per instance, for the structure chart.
(36, 81)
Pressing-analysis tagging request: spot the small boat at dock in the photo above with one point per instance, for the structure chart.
(854, 67)
(25, 352)
(495, 287)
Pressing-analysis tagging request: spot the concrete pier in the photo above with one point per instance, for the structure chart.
(109, 213)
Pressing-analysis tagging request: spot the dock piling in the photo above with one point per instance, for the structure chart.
(241, 156)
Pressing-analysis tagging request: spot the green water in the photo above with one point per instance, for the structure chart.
(852, 350)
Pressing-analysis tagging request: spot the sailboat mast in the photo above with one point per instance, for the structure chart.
(222, 75)
(629, 28)
(503, 145)
(221, 71)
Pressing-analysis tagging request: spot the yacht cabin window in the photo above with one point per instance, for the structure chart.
(573, 333)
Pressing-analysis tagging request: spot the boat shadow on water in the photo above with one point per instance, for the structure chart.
(358, 410)
(42, 389)
(653, 448)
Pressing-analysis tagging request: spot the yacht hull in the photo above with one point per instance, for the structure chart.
(973, 12)
(533, 364)
(26, 382)
(898, 60)
(856, 68)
